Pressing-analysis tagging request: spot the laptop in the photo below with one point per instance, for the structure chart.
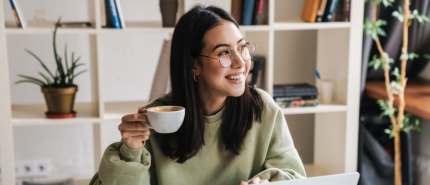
(340, 179)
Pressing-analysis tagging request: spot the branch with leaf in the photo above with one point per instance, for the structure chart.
(397, 86)
(63, 77)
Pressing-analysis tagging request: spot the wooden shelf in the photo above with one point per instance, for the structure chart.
(295, 23)
(313, 170)
(131, 30)
(34, 114)
(318, 109)
(31, 31)
(116, 110)
(417, 95)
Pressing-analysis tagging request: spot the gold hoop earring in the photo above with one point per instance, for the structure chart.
(194, 76)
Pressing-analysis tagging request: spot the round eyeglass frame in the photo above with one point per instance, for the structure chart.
(233, 54)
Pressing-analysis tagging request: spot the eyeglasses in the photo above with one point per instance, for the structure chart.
(227, 57)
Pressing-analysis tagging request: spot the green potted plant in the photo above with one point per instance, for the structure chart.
(58, 88)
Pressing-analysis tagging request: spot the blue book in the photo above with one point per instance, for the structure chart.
(248, 11)
(114, 14)
(329, 10)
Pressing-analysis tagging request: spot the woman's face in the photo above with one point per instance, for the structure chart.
(213, 78)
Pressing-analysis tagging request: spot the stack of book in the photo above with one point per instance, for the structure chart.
(250, 12)
(295, 95)
(326, 10)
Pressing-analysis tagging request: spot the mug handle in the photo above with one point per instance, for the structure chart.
(146, 123)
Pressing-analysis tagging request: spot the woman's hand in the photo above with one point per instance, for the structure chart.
(132, 130)
(255, 180)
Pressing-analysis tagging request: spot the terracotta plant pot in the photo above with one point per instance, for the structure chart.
(168, 10)
(60, 101)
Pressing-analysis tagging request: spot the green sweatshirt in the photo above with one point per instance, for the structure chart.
(268, 152)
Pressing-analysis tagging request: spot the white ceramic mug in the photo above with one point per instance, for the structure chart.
(164, 122)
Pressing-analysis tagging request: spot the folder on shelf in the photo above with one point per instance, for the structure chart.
(310, 9)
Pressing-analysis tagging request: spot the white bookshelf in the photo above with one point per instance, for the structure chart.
(333, 48)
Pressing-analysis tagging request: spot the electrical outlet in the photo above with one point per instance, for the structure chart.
(24, 169)
(41, 168)
(37, 168)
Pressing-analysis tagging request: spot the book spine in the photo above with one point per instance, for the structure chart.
(258, 10)
(321, 10)
(279, 99)
(18, 22)
(120, 16)
(248, 9)
(103, 13)
(114, 14)
(346, 10)
(329, 10)
(236, 10)
(310, 10)
(19, 14)
(298, 103)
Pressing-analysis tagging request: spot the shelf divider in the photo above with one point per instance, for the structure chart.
(7, 155)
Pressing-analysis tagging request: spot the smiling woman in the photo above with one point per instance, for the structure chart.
(231, 131)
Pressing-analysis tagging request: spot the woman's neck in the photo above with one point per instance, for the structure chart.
(212, 102)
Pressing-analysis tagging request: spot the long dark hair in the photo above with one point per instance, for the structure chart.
(239, 112)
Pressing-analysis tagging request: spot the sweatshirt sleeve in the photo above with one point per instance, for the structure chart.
(123, 165)
(283, 161)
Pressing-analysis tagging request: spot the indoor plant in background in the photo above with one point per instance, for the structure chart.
(395, 88)
(58, 88)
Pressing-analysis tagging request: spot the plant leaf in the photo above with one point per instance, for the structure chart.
(48, 82)
(30, 81)
(32, 78)
(79, 73)
(40, 61)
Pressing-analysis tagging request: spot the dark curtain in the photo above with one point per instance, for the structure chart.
(418, 41)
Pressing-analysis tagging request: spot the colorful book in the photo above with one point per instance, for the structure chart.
(320, 12)
(120, 16)
(298, 103)
(310, 10)
(114, 14)
(290, 98)
(18, 16)
(329, 10)
(257, 11)
(247, 12)
(236, 10)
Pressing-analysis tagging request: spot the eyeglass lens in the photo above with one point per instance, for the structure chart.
(247, 52)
